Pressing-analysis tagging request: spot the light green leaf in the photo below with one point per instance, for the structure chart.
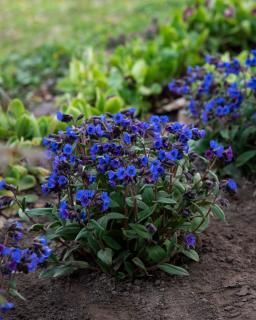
(172, 269)
(245, 157)
(218, 212)
(105, 255)
(192, 254)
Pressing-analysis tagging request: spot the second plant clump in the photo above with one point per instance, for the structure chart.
(129, 198)
(221, 98)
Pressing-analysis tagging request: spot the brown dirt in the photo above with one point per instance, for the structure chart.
(222, 286)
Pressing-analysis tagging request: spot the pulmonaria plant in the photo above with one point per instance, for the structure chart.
(129, 198)
(222, 99)
(17, 255)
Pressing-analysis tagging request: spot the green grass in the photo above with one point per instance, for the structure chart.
(26, 24)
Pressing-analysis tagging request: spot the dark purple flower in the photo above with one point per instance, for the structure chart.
(190, 240)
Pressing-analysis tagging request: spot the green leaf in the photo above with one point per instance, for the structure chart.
(225, 134)
(26, 183)
(140, 230)
(148, 195)
(170, 245)
(172, 269)
(114, 104)
(14, 293)
(23, 215)
(17, 108)
(203, 222)
(105, 255)
(69, 231)
(103, 221)
(112, 243)
(82, 234)
(245, 157)
(192, 254)
(29, 198)
(40, 212)
(144, 214)
(137, 261)
(57, 271)
(179, 186)
(139, 71)
(156, 253)
(100, 101)
(96, 226)
(166, 201)
(79, 264)
(218, 212)
(69, 252)
(36, 227)
(27, 127)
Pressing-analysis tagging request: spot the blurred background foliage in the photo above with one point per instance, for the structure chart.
(26, 24)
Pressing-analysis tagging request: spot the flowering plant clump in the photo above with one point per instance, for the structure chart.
(222, 99)
(129, 199)
(15, 258)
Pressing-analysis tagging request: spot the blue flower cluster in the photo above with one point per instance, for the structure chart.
(217, 150)
(219, 94)
(14, 258)
(105, 152)
(25, 260)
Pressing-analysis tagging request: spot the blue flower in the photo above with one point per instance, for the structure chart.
(214, 144)
(144, 161)
(127, 138)
(155, 119)
(231, 185)
(114, 163)
(192, 107)
(205, 117)
(42, 240)
(63, 210)
(164, 119)
(59, 116)
(51, 184)
(118, 118)
(16, 255)
(62, 180)
(219, 111)
(121, 173)
(99, 131)
(208, 80)
(175, 127)
(172, 155)
(158, 143)
(190, 240)
(67, 149)
(94, 149)
(71, 133)
(111, 175)
(131, 171)
(252, 83)
(6, 306)
(161, 155)
(90, 130)
(2, 184)
(106, 201)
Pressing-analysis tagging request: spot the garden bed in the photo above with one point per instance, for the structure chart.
(221, 286)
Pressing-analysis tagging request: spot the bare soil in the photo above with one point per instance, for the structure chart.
(222, 286)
